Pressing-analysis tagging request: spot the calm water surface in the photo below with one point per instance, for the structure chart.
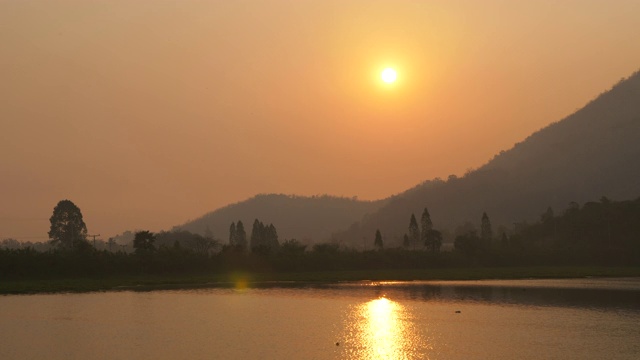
(524, 319)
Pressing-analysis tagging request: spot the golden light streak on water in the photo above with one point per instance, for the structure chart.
(381, 329)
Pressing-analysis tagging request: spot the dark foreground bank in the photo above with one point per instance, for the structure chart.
(257, 279)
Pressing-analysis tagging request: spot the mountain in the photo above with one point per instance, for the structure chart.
(308, 219)
(592, 153)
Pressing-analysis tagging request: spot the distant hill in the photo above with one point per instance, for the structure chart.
(592, 153)
(308, 219)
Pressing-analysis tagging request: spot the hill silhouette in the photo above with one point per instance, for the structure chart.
(592, 153)
(307, 219)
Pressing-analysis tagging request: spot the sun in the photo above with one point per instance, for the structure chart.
(389, 75)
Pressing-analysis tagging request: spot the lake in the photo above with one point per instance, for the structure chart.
(496, 319)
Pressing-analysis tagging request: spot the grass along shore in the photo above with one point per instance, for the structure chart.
(243, 279)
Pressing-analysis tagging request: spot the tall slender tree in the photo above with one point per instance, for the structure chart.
(241, 235)
(426, 228)
(547, 216)
(232, 234)
(504, 241)
(486, 233)
(414, 231)
(264, 239)
(257, 235)
(434, 240)
(272, 236)
(377, 243)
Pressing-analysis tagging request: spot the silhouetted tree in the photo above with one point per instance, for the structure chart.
(414, 231)
(10, 243)
(68, 230)
(405, 241)
(547, 216)
(272, 236)
(573, 208)
(378, 241)
(504, 242)
(606, 205)
(257, 235)
(232, 234)
(188, 241)
(425, 226)
(241, 235)
(434, 240)
(292, 247)
(204, 245)
(264, 239)
(431, 238)
(143, 243)
(486, 233)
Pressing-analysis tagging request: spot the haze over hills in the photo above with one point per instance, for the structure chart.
(307, 219)
(592, 153)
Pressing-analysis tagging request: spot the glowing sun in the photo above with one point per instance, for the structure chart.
(388, 75)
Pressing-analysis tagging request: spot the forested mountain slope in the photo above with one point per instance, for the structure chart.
(592, 153)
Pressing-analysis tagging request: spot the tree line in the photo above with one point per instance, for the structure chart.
(605, 233)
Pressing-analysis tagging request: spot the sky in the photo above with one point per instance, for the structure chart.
(149, 113)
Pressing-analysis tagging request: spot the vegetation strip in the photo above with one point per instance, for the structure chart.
(231, 280)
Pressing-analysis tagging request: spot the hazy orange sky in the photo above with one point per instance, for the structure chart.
(149, 113)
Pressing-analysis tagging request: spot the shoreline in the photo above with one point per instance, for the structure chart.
(248, 280)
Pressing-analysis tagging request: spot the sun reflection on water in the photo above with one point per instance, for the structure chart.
(381, 329)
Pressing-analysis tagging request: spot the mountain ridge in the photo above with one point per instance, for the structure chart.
(591, 153)
(588, 154)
